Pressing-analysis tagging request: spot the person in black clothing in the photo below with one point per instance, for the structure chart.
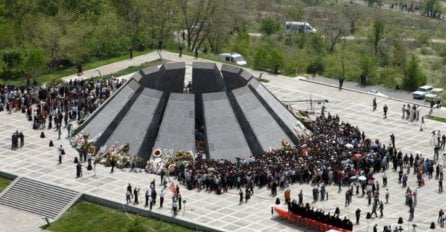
(135, 195)
(318, 215)
(337, 212)
(241, 196)
(147, 198)
(181, 51)
(112, 164)
(358, 215)
(21, 137)
(78, 170)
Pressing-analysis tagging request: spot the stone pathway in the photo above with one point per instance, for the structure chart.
(38, 161)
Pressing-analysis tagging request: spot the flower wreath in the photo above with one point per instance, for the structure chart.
(157, 153)
(285, 143)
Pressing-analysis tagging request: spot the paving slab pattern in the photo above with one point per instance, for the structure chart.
(38, 161)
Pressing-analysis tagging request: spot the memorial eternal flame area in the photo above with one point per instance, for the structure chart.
(212, 112)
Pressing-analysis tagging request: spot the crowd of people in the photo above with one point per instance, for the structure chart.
(320, 216)
(335, 153)
(57, 104)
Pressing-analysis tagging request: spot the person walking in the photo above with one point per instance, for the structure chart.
(301, 198)
(78, 169)
(147, 195)
(374, 104)
(403, 111)
(358, 215)
(341, 82)
(22, 139)
(175, 205)
(374, 207)
(381, 208)
(60, 152)
(411, 212)
(385, 109)
(181, 51)
(112, 164)
(128, 196)
(392, 140)
(135, 195)
(152, 198)
(162, 197)
(240, 193)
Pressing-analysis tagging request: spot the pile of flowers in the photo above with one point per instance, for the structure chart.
(119, 153)
(185, 157)
(81, 140)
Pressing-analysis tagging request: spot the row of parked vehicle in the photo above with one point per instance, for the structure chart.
(428, 93)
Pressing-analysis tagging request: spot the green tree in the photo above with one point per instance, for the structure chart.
(261, 57)
(377, 33)
(413, 76)
(432, 8)
(35, 62)
(277, 59)
(12, 60)
(269, 26)
(368, 65)
(399, 55)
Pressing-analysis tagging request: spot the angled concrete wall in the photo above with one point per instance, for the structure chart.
(239, 115)
(177, 129)
(224, 135)
(266, 129)
(136, 122)
(206, 78)
(107, 114)
(171, 77)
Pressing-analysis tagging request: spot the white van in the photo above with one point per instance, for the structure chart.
(233, 58)
(298, 27)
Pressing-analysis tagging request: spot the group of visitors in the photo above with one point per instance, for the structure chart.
(307, 212)
(58, 104)
(15, 138)
(151, 196)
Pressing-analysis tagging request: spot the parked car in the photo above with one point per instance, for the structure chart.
(434, 95)
(422, 91)
(233, 58)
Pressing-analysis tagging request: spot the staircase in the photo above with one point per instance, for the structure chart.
(38, 198)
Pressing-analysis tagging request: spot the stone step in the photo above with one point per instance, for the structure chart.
(38, 198)
(43, 192)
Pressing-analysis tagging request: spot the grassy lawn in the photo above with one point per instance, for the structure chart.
(4, 183)
(86, 216)
(439, 119)
(132, 69)
(72, 70)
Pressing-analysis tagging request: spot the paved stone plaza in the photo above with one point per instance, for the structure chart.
(38, 161)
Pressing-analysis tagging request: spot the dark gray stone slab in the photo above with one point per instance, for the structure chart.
(171, 77)
(266, 129)
(224, 135)
(177, 129)
(137, 76)
(135, 124)
(107, 114)
(150, 76)
(206, 78)
(284, 114)
(232, 78)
